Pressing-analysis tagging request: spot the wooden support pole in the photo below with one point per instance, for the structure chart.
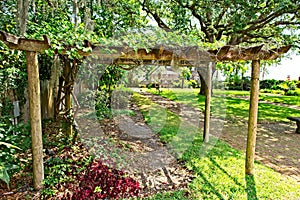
(207, 103)
(35, 118)
(253, 113)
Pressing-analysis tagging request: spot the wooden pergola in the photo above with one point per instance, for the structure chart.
(160, 55)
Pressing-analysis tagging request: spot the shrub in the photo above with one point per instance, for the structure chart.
(11, 138)
(103, 105)
(101, 182)
(270, 84)
(295, 92)
(194, 84)
(272, 91)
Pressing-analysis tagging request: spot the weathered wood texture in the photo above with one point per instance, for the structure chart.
(253, 113)
(159, 55)
(183, 56)
(23, 44)
(207, 103)
(35, 118)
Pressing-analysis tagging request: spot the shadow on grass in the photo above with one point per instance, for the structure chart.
(251, 187)
(250, 182)
(212, 188)
(219, 172)
(225, 172)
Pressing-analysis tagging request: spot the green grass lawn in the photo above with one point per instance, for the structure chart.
(232, 93)
(218, 168)
(290, 100)
(225, 105)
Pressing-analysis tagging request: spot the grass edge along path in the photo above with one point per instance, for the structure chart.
(219, 174)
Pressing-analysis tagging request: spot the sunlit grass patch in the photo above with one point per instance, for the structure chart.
(290, 100)
(220, 169)
(225, 105)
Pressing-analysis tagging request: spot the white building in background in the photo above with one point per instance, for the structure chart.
(165, 77)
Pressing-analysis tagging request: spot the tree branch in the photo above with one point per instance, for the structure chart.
(156, 17)
(267, 19)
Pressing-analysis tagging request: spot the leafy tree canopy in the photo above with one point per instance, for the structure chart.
(272, 22)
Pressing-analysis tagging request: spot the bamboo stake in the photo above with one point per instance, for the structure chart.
(35, 118)
(252, 122)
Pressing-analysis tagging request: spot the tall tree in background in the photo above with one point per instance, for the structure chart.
(22, 15)
(236, 22)
(239, 22)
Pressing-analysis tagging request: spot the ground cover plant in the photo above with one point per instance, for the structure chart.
(14, 143)
(220, 171)
(72, 173)
(236, 108)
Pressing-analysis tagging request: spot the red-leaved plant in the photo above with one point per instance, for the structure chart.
(99, 181)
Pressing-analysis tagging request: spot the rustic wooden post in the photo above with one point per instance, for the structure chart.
(207, 103)
(253, 113)
(35, 118)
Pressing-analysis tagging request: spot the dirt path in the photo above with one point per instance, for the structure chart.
(130, 145)
(277, 143)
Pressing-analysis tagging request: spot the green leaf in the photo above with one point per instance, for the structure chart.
(9, 145)
(87, 49)
(4, 175)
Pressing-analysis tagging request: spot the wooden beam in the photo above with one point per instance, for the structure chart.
(207, 103)
(253, 50)
(253, 113)
(128, 55)
(219, 53)
(159, 53)
(24, 44)
(35, 118)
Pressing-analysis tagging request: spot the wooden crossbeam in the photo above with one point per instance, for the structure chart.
(23, 44)
(125, 55)
(183, 56)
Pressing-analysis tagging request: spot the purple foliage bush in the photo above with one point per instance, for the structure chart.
(102, 182)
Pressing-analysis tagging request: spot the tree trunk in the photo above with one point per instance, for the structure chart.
(75, 13)
(22, 15)
(46, 100)
(203, 84)
(68, 98)
(202, 74)
(49, 92)
(35, 118)
(253, 113)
